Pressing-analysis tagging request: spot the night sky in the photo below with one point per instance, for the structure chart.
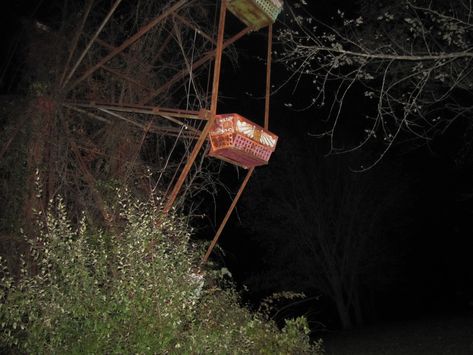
(430, 228)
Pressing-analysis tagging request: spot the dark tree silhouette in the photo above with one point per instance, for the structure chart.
(324, 228)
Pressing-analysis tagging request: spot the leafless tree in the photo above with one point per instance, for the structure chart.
(409, 62)
(324, 228)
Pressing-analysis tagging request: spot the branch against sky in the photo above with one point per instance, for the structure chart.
(409, 60)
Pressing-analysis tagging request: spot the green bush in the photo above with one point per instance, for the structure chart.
(131, 291)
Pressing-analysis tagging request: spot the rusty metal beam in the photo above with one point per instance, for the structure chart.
(195, 28)
(213, 110)
(218, 59)
(185, 72)
(268, 77)
(90, 114)
(175, 132)
(250, 172)
(111, 48)
(190, 161)
(141, 32)
(123, 118)
(189, 132)
(227, 216)
(75, 40)
(192, 133)
(150, 110)
(126, 78)
(143, 126)
(91, 42)
(180, 123)
(162, 48)
(131, 58)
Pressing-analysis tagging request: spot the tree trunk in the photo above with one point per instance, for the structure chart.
(357, 309)
(343, 311)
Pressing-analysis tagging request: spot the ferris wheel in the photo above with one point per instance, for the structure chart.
(233, 138)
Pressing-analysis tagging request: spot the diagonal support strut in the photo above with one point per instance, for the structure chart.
(141, 32)
(213, 111)
(250, 171)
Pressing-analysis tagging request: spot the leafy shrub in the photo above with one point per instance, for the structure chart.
(131, 291)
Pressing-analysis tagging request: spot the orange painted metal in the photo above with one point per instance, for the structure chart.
(236, 139)
(251, 170)
(91, 42)
(198, 63)
(129, 41)
(195, 28)
(268, 77)
(227, 216)
(135, 108)
(211, 115)
(76, 38)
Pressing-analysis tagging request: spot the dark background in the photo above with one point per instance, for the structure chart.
(433, 253)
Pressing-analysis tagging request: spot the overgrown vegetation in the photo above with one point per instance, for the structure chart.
(136, 290)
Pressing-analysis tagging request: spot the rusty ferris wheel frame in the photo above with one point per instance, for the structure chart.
(174, 116)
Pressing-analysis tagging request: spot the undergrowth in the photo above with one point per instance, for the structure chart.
(136, 290)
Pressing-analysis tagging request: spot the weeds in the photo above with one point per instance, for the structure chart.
(131, 291)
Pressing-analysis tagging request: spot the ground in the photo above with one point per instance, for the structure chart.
(439, 335)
